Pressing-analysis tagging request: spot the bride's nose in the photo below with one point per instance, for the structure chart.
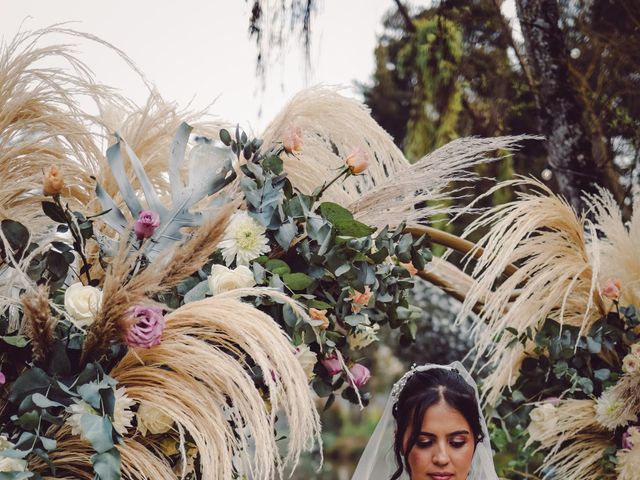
(440, 456)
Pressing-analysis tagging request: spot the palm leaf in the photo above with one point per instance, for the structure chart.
(208, 174)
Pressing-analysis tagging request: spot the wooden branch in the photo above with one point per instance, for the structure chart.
(456, 243)
(521, 59)
(411, 27)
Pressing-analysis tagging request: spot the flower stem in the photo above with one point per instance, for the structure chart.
(344, 172)
(77, 237)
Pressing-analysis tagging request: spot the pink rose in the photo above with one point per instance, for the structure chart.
(627, 443)
(332, 364)
(147, 324)
(292, 140)
(611, 288)
(361, 375)
(3, 379)
(147, 222)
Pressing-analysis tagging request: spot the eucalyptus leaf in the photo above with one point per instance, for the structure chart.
(15, 340)
(90, 393)
(342, 269)
(98, 430)
(48, 443)
(107, 464)
(43, 402)
(285, 234)
(198, 292)
(29, 420)
(31, 381)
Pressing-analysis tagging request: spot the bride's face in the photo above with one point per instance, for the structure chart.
(445, 446)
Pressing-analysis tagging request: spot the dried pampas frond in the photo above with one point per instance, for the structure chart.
(416, 193)
(571, 420)
(38, 324)
(199, 377)
(326, 120)
(557, 275)
(618, 244)
(582, 459)
(120, 291)
(42, 124)
(620, 404)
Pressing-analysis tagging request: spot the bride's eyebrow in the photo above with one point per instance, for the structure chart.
(452, 434)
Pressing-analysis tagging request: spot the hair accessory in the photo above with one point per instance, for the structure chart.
(399, 385)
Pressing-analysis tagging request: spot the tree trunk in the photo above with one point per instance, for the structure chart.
(575, 160)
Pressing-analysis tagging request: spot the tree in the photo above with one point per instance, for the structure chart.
(577, 153)
(505, 87)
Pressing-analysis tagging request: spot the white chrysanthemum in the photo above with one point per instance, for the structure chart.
(608, 411)
(628, 464)
(307, 359)
(122, 414)
(363, 335)
(244, 239)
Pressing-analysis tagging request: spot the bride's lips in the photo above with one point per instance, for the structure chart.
(440, 476)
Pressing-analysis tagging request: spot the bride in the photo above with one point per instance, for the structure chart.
(432, 428)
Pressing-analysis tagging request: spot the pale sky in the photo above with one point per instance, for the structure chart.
(199, 50)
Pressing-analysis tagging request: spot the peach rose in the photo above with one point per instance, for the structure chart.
(360, 299)
(357, 161)
(321, 316)
(292, 140)
(611, 288)
(53, 181)
(410, 268)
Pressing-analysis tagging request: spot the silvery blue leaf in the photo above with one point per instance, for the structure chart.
(114, 157)
(150, 195)
(198, 292)
(178, 147)
(210, 169)
(113, 217)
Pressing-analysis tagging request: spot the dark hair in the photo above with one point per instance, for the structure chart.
(422, 390)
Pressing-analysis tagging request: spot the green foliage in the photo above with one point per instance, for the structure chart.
(563, 364)
(432, 57)
(323, 257)
(36, 402)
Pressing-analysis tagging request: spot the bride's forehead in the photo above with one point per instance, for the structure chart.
(442, 417)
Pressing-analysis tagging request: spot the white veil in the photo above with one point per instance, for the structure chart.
(378, 462)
